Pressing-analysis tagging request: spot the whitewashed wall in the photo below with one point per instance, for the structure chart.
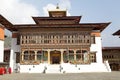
(98, 48)
(1, 50)
(14, 48)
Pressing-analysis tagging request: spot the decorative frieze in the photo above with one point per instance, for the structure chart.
(56, 39)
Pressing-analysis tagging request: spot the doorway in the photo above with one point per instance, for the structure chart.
(114, 67)
(55, 57)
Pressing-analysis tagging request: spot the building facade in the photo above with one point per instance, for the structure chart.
(1, 43)
(57, 43)
(112, 54)
(2, 37)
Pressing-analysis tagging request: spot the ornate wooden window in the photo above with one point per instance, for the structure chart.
(71, 56)
(45, 56)
(29, 55)
(79, 55)
(65, 56)
(57, 38)
(39, 55)
(18, 39)
(32, 55)
(93, 57)
(93, 39)
(6, 56)
(26, 55)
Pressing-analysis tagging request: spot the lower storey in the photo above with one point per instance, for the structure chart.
(59, 61)
(56, 56)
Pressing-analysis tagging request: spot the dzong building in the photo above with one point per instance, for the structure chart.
(56, 44)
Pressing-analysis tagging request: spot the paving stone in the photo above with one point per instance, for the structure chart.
(70, 76)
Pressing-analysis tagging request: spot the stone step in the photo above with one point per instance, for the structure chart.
(53, 69)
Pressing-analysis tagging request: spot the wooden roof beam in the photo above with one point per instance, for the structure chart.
(117, 33)
(6, 23)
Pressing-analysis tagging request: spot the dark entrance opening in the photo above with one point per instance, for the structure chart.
(114, 67)
(55, 60)
(55, 57)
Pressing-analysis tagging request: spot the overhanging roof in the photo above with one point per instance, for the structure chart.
(117, 33)
(73, 18)
(6, 23)
(110, 48)
(94, 26)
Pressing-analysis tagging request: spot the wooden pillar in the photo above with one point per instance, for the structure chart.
(74, 55)
(62, 56)
(88, 55)
(81, 55)
(48, 56)
(22, 56)
(35, 55)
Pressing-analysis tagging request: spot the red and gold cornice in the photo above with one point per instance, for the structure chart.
(93, 26)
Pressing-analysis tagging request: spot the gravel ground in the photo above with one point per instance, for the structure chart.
(71, 76)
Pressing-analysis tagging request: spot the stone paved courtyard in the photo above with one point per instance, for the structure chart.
(75, 76)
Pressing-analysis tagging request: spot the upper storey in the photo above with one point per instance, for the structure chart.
(57, 16)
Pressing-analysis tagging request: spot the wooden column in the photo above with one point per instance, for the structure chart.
(48, 56)
(62, 56)
(74, 55)
(22, 57)
(35, 55)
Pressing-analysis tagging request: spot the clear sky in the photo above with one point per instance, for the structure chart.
(92, 11)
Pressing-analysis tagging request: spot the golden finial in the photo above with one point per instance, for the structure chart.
(57, 7)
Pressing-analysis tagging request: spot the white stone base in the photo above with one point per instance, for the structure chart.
(65, 68)
(32, 68)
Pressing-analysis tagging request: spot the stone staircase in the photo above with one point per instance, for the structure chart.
(65, 68)
(53, 69)
(69, 68)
